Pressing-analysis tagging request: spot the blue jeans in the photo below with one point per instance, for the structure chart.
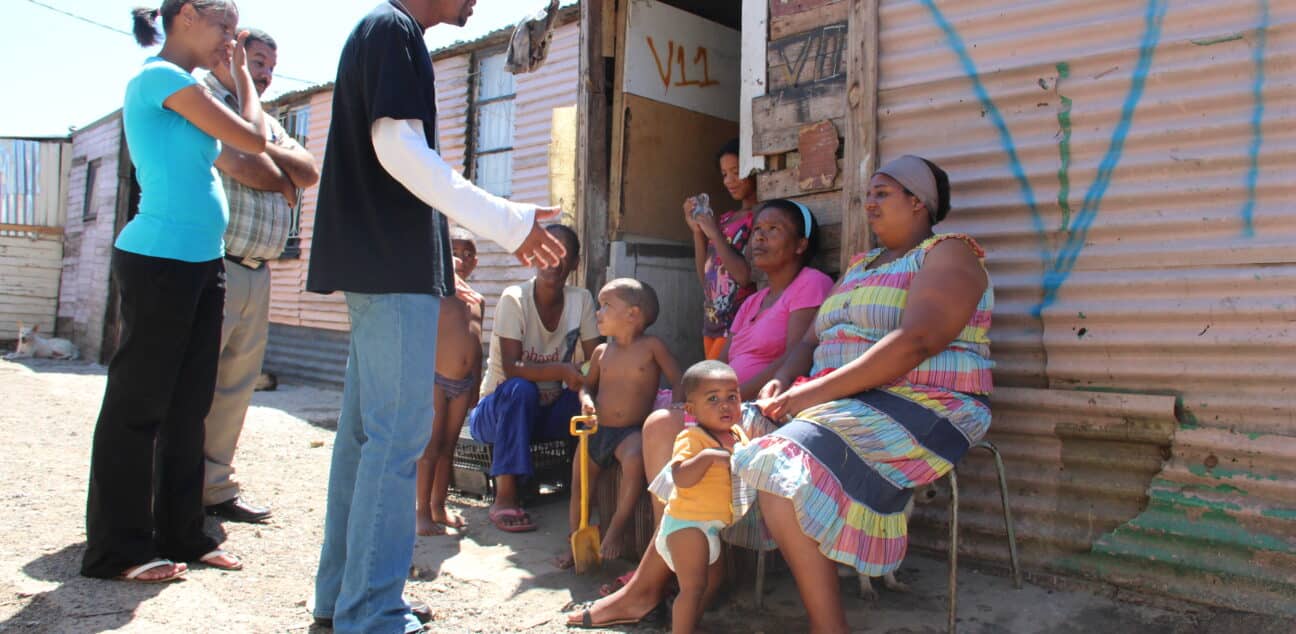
(385, 423)
(511, 418)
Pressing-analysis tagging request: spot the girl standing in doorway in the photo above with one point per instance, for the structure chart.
(720, 252)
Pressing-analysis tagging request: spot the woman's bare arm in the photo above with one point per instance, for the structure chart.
(798, 323)
(201, 109)
(942, 299)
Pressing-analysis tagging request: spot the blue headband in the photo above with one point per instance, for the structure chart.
(805, 216)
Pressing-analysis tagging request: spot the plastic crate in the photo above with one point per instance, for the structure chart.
(552, 460)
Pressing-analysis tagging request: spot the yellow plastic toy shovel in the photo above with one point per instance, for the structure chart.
(585, 541)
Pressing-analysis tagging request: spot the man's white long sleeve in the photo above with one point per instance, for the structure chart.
(402, 150)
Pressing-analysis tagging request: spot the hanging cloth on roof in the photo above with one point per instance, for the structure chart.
(529, 45)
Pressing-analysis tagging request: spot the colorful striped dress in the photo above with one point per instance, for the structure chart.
(850, 466)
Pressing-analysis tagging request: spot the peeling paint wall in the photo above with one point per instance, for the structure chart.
(88, 235)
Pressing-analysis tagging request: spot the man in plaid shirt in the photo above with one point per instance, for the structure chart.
(262, 190)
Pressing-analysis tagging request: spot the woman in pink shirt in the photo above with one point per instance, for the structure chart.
(784, 239)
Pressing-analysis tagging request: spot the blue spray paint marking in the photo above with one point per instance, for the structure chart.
(1062, 265)
(955, 42)
(1257, 115)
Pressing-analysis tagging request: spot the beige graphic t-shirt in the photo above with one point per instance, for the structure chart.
(516, 317)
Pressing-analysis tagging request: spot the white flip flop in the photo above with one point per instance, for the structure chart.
(133, 574)
(218, 553)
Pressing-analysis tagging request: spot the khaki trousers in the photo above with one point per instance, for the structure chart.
(242, 348)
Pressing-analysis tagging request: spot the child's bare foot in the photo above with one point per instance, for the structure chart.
(611, 546)
(425, 526)
(565, 561)
(446, 517)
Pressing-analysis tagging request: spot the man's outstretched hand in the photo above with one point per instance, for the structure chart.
(541, 248)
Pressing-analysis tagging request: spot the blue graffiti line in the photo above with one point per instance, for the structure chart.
(1066, 257)
(1257, 115)
(1005, 137)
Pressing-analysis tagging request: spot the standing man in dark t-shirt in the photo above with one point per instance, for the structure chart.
(381, 239)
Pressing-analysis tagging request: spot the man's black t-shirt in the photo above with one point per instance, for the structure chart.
(371, 234)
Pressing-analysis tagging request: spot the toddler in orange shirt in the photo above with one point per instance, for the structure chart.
(701, 503)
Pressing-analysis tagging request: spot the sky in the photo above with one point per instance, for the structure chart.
(60, 72)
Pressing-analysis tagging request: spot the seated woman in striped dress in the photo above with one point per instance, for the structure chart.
(898, 361)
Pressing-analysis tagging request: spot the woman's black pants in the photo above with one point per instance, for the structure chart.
(146, 468)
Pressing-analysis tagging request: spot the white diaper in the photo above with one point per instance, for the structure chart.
(710, 528)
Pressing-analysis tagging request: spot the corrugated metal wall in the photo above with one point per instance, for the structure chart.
(315, 356)
(32, 181)
(290, 304)
(538, 93)
(1128, 167)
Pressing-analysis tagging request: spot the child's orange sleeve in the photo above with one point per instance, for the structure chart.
(687, 445)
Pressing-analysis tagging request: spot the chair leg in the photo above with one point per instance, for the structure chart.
(1007, 512)
(953, 552)
(759, 599)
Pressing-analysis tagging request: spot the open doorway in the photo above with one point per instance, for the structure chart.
(675, 103)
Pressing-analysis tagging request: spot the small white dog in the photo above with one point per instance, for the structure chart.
(31, 343)
(921, 495)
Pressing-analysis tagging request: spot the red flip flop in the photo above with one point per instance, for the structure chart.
(512, 520)
(620, 582)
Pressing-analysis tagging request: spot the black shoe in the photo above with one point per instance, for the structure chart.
(421, 610)
(238, 510)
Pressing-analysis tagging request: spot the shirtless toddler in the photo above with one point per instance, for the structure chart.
(458, 372)
(620, 389)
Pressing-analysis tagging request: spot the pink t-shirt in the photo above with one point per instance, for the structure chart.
(758, 338)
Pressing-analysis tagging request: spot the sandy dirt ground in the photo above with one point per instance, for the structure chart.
(480, 581)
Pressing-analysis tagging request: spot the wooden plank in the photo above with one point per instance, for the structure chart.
(861, 126)
(778, 117)
(592, 149)
(786, 25)
(781, 141)
(46, 231)
(669, 156)
(826, 207)
(782, 8)
(607, 31)
(618, 133)
(755, 15)
(39, 305)
(830, 258)
(783, 183)
(817, 55)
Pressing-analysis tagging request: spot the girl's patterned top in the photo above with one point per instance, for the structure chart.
(721, 292)
(869, 303)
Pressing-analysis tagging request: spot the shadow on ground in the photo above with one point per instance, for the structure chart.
(77, 604)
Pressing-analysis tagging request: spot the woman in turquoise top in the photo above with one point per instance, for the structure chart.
(144, 516)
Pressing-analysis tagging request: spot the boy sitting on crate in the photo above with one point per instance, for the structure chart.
(458, 375)
(529, 391)
(621, 389)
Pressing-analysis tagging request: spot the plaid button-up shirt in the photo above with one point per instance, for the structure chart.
(259, 221)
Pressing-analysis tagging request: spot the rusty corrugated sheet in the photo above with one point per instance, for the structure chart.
(1128, 167)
